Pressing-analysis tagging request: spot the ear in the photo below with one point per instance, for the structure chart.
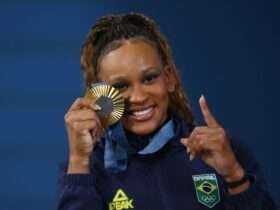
(170, 79)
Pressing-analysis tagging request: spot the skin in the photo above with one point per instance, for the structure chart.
(212, 145)
(84, 131)
(136, 70)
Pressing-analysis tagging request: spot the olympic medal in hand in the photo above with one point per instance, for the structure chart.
(102, 106)
(109, 99)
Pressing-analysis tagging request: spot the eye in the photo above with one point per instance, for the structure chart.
(151, 77)
(121, 86)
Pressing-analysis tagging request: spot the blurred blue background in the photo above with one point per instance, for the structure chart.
(226, 50)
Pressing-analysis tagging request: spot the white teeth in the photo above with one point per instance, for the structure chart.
(143, 112)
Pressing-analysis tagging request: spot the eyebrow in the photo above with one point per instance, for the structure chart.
(123, 76)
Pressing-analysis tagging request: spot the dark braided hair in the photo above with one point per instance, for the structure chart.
(111, 31)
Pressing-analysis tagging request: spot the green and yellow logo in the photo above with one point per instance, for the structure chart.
(207, 191)
(121, 201)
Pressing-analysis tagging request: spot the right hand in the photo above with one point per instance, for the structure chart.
(83, 128)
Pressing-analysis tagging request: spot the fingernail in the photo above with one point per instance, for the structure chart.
(203, 97)
(97, 107)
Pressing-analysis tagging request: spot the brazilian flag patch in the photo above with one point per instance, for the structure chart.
(207, 189)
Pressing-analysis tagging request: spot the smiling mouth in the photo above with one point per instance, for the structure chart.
(141, 115)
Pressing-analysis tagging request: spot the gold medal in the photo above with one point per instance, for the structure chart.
(110, 100)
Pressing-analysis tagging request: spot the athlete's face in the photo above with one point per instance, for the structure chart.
(136, 70)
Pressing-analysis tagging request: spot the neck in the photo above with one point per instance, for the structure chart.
(139, 142)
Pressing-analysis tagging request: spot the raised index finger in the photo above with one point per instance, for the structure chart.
(208, 117)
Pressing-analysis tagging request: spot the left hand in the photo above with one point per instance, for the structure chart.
(211, 143)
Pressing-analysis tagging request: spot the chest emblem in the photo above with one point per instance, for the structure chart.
(121, 201)
(207, 189)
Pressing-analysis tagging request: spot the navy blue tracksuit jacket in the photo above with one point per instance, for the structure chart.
(160, 181)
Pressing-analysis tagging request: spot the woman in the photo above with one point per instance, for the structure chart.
(148, 166)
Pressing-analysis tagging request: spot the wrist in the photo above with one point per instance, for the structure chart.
(236, 174)
(238, 181)
(81, 160)
(78, 165)
(240, 185)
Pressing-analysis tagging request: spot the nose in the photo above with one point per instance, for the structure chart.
(137, 95)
